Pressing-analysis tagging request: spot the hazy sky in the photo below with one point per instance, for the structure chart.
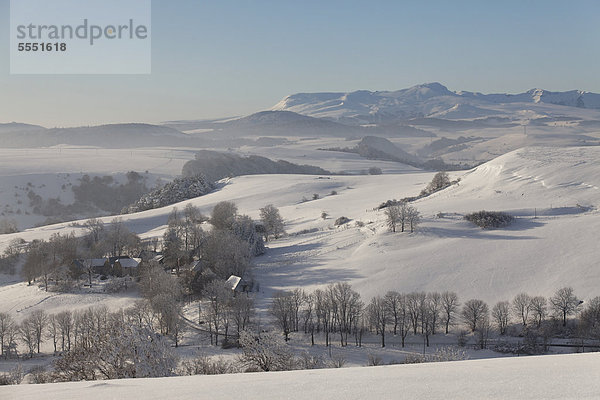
(224, 58)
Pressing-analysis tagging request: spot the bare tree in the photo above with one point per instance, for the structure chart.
(565, 303)
(483, 329)
(218, 295)
(416, 304)
(282, 308)
(413, 217)
(521, 305)
(538, 309)
(450, 306)
(308, 316)
(473, 312)
(347, 308)
(393, 215)
(501, 315)
(242, 311)
(272, 221)
(324, 312)
(7, 324)
(378, 314)
(65, 323)
(590, 319)
(398, 310)
(435, 308)
(393, 301)
(39, 319)
(28, 334)
(53, 331)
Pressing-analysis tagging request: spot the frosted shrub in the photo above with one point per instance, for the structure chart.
(448, 354)
(374, 360)
(310, 361)
(337, 360)
(413, 358)
(489, 219)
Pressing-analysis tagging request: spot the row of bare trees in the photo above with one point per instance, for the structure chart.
(338, 309)
(224, 312)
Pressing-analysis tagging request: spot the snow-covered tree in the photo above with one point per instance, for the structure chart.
(272, 221)
(393, 215)
(440, 181)
(223, 215)
(266, 351)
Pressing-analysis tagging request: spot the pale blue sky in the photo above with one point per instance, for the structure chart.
(223, 58)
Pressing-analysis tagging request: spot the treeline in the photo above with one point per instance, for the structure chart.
(215, 166)
(196, 255)
(339, 310)
(95, 195)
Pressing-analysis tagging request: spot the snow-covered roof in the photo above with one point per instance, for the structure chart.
(129, 262)
(233, 281)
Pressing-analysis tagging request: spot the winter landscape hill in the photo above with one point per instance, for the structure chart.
(533, 155)
(574, 376)
(553, 193)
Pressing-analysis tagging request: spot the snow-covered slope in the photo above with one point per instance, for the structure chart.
(427, 100)
(553, 192)
(574, 376)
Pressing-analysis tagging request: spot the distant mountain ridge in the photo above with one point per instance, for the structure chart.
(108, 136)
(430, 99)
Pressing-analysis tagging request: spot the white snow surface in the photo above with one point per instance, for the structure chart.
(554, 194)
(574, 376)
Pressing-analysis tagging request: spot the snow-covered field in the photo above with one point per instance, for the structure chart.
(574, 376)
(554, 193)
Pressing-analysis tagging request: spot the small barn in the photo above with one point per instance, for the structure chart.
(238, 284)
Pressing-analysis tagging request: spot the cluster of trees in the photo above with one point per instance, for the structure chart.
(52, 260)
(94, 343)
(339, 309)
(440, 181)
(224, 312)
(103, 193)
(225, 250)
(402, 214)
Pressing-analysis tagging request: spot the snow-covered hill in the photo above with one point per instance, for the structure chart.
(429, 100)
(574, 376)
(553, 192)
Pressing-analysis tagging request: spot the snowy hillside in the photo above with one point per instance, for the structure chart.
(428, 100)
(553, 193)
(574, 376)
(52, 172)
